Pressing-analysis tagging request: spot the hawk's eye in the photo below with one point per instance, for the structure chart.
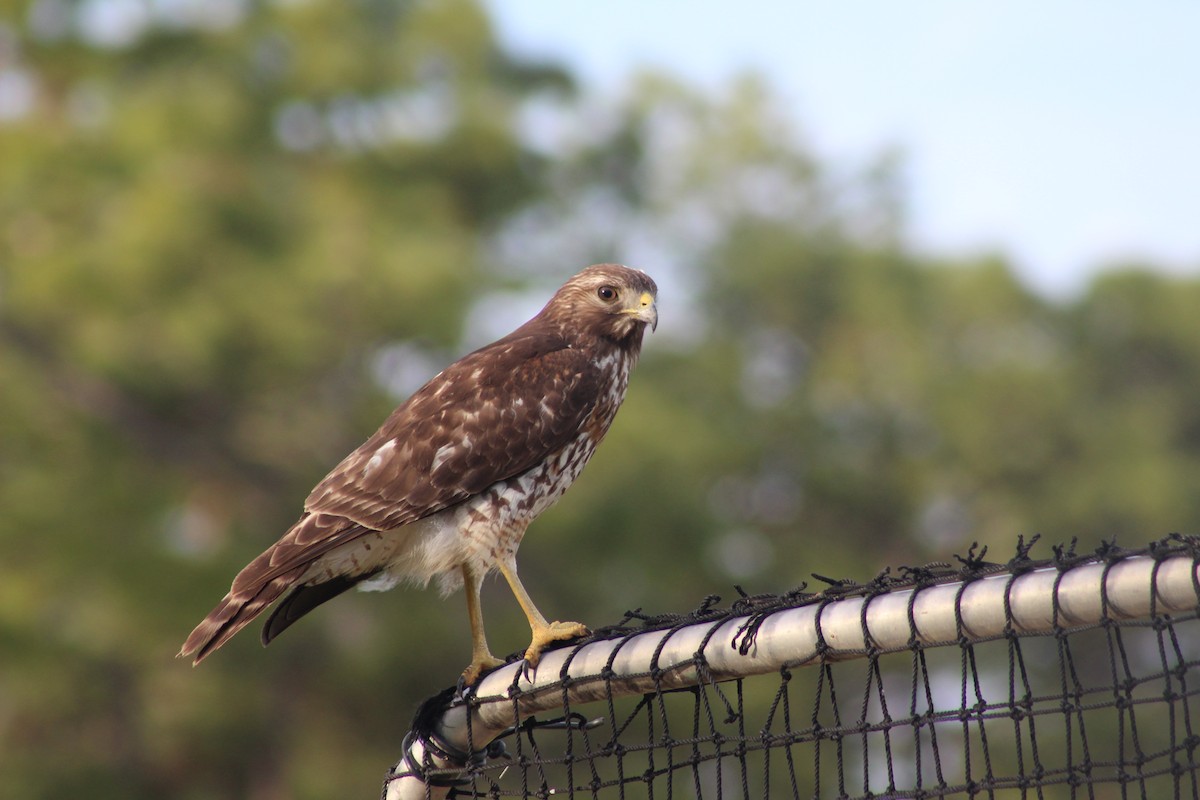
(606, 293)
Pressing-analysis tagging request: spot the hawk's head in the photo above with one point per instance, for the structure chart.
(606, 300)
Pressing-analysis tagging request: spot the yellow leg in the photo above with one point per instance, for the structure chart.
(481, 656)
(543, 632)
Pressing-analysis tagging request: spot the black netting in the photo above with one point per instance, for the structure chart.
(1107, 710)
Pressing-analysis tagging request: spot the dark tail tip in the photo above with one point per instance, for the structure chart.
(304, 599)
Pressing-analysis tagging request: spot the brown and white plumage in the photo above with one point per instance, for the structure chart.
(447, 486)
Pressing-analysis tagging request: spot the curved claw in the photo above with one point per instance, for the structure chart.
(479, 665)
(552, 632)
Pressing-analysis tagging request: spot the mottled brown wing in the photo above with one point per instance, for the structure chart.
(490, 416)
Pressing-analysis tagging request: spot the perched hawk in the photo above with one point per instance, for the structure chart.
(446, 488)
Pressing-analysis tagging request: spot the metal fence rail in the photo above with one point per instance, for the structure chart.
(452, 734)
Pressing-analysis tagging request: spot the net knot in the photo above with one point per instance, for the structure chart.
(974, 563)
(424, 770)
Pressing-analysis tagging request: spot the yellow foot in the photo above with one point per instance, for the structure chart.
(479, 665)
(554, 632)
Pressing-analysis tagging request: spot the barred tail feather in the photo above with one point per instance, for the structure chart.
(237, 610)
(268, 576)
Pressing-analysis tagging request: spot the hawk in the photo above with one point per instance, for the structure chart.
(447, 486)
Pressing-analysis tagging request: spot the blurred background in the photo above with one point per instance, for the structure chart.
(927, 278)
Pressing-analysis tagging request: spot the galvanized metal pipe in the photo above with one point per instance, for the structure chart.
(1035, 602)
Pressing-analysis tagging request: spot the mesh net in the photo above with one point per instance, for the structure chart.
(1106, 710)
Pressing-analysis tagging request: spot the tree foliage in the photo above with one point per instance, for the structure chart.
(233, 235)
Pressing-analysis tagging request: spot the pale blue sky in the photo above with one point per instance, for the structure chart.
(1066, 133)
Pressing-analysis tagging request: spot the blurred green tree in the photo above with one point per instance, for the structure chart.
(216, 220)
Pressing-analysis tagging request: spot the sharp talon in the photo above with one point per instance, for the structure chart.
(478, 668)
(554, 632)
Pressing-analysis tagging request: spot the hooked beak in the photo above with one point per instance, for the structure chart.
(644, 310)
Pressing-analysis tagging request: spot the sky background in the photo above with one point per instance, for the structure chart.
(1064, 134)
